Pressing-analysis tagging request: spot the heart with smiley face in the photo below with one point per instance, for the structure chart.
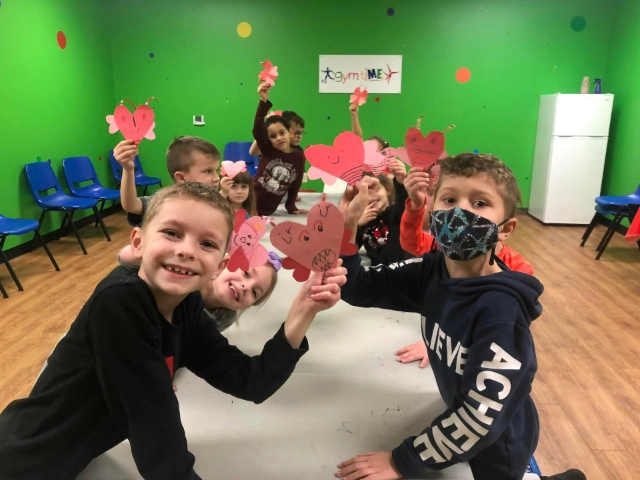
(345, 159)
(424, 151)
(316, 246)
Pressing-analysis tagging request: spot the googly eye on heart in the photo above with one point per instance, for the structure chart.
(133, 126)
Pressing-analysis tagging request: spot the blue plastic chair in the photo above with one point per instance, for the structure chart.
(41, 179)
(621, 207)
(79, 170)
(19, 226)
(142, 180)
(236, 151)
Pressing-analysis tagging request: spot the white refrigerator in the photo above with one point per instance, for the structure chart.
(571, 145)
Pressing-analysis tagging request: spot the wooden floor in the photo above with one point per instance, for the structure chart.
(587, 389)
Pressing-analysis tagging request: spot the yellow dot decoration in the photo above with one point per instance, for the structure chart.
(244, 29)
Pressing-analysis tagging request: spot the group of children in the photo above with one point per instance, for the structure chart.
(110, 377)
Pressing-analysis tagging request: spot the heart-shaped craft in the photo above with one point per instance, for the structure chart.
(231, 169)
(315, 246)
(359, 97)
(245, 249)
(424, 151)
(344, 159)
(134, 126)
(375, 161)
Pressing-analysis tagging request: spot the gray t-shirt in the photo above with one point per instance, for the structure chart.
(133, 218)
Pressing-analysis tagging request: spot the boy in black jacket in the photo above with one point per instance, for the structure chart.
(476, 316)
(110, 377)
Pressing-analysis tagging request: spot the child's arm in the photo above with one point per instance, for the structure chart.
(412, 238)
(127, 258)
(399, 287)
(124, 153)
(254, 150)
(399, 173)
(355, 121)
(135, 381)
(259, 128)
(257, 378)
(225, 186)
(497, 371)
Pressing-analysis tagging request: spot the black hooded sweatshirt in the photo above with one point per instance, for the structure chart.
(481, 351)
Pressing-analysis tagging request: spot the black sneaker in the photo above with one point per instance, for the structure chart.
(572, 474)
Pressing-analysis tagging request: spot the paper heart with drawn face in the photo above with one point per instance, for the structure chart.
(375, 161)
(134, 126)
(424, 151)
(315, 246)
(344, 159)
(245, 249)
(231, 169)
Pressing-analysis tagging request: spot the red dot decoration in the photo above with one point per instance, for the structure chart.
(463, 75)
(377, 99)
(62, 40)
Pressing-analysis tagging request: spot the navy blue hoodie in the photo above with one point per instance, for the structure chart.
(481, 352)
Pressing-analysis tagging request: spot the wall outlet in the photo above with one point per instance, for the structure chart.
(198, 120)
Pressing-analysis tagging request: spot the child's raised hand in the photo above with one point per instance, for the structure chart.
(321, 291)
(263, 91)
(370, 213)
(416, 184)
(353, 108)
(225, 186)
(358, 203)
(398, 169)
(125, 153)
(413, 353)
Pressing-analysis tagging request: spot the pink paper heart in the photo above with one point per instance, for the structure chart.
(375, 160)
(359, 97)
(344, 159)
(231, 169)
(424, 151)
(134, 126)
(400, 152)
(314, 246)
(245, 249)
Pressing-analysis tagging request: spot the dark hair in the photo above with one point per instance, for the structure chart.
(472, 164)
(380, 141)
(245, 178)
(292, 117)
(273, 119)
(179, 153)
(192, 191)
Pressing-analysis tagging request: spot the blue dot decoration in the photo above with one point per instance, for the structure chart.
(151, 55)
(390, 11)
(578, 24)
(328, 118)
(476, 151)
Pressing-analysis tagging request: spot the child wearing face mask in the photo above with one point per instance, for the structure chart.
(281, 168)
(476, 316)
(379, 226)
(239, 192)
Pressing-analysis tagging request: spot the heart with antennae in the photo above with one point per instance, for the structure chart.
(133, 126)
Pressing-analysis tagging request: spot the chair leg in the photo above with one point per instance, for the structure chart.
(144, 192)
(4, 258)
(46, 249)
(104, 228)
(610, 229)
(607, 238)
(3, 291)
(63, 227)
(101, 207)
(587, 233)
(75, 230)
(160, 184)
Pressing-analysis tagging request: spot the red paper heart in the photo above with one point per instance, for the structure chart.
(312, 247)
(344, 160)
(423, 151)
(134, 126)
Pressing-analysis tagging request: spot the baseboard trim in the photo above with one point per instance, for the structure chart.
(33, 244)
(602, 220)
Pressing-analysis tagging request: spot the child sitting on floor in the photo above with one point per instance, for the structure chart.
(476, 317)
(296, 128)
(281, 168)
(109, 378)
(239, 192)
(421, 190)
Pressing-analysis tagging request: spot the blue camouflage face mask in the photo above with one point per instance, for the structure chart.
(462, 235)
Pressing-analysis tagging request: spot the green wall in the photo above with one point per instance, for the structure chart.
(515, 49)
(53, 102)
(622, 172)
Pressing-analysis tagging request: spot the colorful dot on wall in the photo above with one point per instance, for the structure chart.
(377, 99)
(151, 55)
(100, 158)
(578, 24)
(62, 40)
(463, 75)
(244, 29)
(38, 159)
(390, 11)
(476, 151)
(328, 118)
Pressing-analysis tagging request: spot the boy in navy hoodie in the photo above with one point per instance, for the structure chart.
(476, 317)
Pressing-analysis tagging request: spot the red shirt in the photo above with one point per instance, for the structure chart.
(418, 242)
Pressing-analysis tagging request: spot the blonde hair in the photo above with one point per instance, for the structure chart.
(191, 191)
(262, 300)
